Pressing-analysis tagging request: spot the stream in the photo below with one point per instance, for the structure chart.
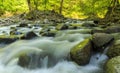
(54, 52)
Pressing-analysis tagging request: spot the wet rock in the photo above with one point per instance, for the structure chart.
(114, 50)
(97, 30)
(101, 40)
(116, 36)
(81, 53)
(62, 27)
(113, 65)
(24, 60)
(49, 32)
(9, 39)
(112, 29)
(23, 24)
(89, 24)
(46, 21)
(96, 21)
(29, 35)
(75, 26)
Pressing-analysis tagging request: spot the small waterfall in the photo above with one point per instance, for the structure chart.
(44, 62)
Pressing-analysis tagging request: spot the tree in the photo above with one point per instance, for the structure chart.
(61, 6)
(111, 8)
(29, 5)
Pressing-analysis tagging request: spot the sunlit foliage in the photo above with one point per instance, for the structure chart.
(70, 8)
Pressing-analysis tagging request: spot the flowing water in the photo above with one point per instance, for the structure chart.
(54, 54)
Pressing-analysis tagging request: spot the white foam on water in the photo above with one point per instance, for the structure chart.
(58, 47)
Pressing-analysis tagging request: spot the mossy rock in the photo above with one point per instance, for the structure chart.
(29, 35)
(93, 31)
(112, 29)
(9, 39)
(116, 36)
(75, 26)
(81, 53)
(62, 26)
(24, 60)
(113, 65)
(101, 40)
(114, 50)
(48, 32)
(89, 24)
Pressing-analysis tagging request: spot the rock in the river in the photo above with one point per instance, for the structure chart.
(24, 60)
(9, 39)
(23, 24)
(112, 29)
(113, 65)
(29, 35)
(114, 50)
(89, 24)
(101, 40)
(49, 32)
(75, 26)
(116, 36)
(93, 31)
(81, 53)
(62, 27)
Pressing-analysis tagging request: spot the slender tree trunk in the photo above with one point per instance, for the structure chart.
(61, 6)
(36, 4)
(29, 5)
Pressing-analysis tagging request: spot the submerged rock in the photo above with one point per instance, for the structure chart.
(113, 65)
(114, 50)
(24, 60)
(101, 40)
(81, 53)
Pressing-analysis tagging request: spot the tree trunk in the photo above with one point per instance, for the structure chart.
(29, 5)
(61, 6)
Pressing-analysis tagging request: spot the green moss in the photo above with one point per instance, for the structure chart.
(59, 26)
(76, 25)
(113, 65)
(11, 36)
(79, 46)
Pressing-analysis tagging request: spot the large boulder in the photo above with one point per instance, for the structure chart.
(114, 50)
(101, 40)
(113, 65)
(81, 53)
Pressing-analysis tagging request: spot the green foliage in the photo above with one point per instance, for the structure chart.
(13, 5)
(71, 8)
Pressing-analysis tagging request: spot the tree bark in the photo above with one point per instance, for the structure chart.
(29, 5)
(61, 6)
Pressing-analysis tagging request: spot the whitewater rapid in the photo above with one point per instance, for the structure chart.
(58, 48)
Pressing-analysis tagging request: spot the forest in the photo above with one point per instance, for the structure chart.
(68, 8)
(59, 36)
